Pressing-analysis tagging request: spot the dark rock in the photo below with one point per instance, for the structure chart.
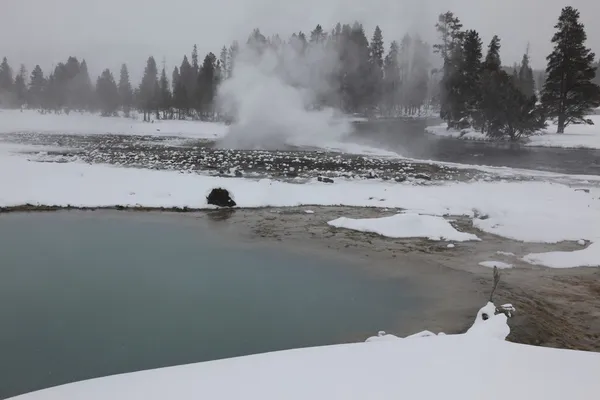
(220, 197)
(583, 190)
(292, 174)
(239, 173)
(400, 178)
(324, 179)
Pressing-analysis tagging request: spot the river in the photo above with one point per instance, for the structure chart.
(409, 139)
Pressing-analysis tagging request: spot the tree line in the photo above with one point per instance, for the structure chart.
(363, 76)
(478, 93)
(367, 78)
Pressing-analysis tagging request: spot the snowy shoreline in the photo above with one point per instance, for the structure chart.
(575, 137)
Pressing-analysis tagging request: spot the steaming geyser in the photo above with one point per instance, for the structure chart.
(270, 95)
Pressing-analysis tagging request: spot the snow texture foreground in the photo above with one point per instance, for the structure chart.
(476, 365)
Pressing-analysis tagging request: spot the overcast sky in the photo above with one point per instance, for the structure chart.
(109, 32)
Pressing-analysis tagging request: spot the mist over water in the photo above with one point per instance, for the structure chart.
(271, 95)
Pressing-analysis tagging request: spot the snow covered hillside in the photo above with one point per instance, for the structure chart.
(476, 365)
(575, 136)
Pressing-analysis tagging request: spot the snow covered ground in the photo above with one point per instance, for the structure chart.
(575, 136)
(476, 365)
(75, 123)
(526, 211)
(406, 225)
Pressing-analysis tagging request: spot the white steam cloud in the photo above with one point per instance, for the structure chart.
(272, 95)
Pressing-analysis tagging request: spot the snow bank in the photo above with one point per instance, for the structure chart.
(498, 264)
(589, 257)
(476, 365)
(406, 225)
(575, 136)
(14, 121)
(524, 211)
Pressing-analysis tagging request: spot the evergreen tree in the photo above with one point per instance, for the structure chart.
(187, 77)
(37, 86)
(450, 49)
(224, 59)
(206, 87)
(471, 69)
(180, 99)
(195, 65)
(492, 79)
(391, 80)
(148, 95)
(125, 90)
(492, 58)
(84, 91)
(233, 52)
(318, 35)
(569, 93)
(6, 83)
(376, 54)
(107, 94)
(21, 87)
(165, 94)
(526, 81)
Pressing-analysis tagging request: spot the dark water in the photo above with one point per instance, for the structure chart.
(84, 295)
(409, 139)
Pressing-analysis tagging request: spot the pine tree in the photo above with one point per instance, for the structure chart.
(569, 93)
(206, 87)
(108, 94)
(195, 65)
(492, 58)
(376, 54)
(471, 70)
(6, 83)
(233, 52)
(391, 79)
(318, 35)
(125, 90)
(526, 81)
(450, 49)
(37, 86)
(224, 59)
(148, 95)
(165, 94)
(20, 90)
(83, 87)
(491, 82)
(186, 74)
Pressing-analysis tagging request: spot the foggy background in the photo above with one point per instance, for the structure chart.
(109, 32)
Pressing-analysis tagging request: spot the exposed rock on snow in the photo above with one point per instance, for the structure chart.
(220, 197)
(324, 179)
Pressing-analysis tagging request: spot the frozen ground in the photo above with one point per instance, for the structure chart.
(475, 365)
(576, 136)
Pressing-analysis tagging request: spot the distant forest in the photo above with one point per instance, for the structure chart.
(369, 77)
